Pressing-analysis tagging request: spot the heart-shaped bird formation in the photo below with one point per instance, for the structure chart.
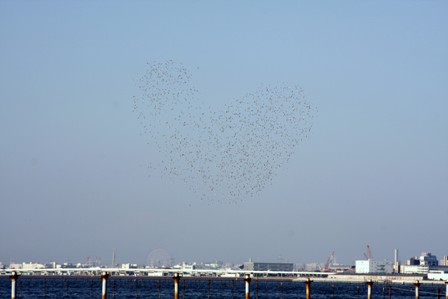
(224, 155)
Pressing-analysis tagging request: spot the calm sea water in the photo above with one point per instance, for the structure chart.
(136, 287)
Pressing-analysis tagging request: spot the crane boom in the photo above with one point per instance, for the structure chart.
(368, 255)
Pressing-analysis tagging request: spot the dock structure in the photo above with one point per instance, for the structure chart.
(300, 276)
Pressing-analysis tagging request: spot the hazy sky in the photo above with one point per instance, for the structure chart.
(74, 175)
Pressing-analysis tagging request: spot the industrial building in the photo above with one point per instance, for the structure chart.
(370, 266)
(420, 265)
(26, 266)
(255, 266)
(425, 259)
(444, 261)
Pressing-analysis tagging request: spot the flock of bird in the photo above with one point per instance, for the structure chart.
(224, 155)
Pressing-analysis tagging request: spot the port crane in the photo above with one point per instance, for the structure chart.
(330, 261)
(368, 255)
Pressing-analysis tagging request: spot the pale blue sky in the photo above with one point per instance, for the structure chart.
(74, 180)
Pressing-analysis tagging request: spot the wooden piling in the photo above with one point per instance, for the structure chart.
(104, 277)
(308, 288)
(446, 292)
(369, 289)
(247, 282)
(176, 279)
(417, 286)
(14, 276)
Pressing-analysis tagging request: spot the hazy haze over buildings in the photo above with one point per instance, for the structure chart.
(76, 178)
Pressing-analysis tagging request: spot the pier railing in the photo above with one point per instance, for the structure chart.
(251, 288)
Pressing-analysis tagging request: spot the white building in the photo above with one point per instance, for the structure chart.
(370, 266)
(129, 266)
(438, 275)
(414, 269)
(26, 266)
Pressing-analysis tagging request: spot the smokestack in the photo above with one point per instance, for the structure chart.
(396, 262)
(113, 257)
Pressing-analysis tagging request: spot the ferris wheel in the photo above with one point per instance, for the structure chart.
(159, 258)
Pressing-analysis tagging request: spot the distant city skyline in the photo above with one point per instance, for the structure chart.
(163, 256)
(271, 131)
(426, 266)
